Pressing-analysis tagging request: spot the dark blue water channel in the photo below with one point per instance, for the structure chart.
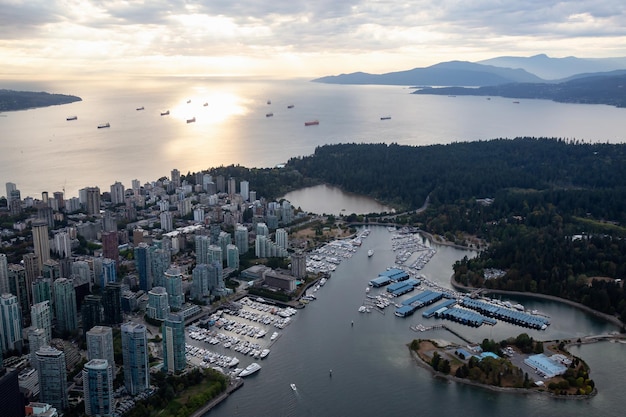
(373, 373)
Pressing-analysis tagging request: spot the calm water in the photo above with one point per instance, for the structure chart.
(373, 373)
(41, 151)
(326, 199)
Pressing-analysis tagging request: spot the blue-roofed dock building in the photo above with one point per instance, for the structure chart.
(380, 281)
(438, 308)
(400, 288)
(395, 275)
(512, 316)
(414, 303)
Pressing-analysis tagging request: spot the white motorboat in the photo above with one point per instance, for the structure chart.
(250, 369)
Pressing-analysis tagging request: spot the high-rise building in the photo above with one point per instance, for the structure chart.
(112, 303)
(202, 249)
(63, 244)
(135, 355)
(41, 290)
(41, 318)
(110, 248)
(174, 288)
(10, 323)
(262, 230)
(298, 265)
(52, 377)
(244, 190)
(46, 214)
(216, 277)
(174, 343)
(4, 274)
(36, 340)
(215, 254)
(11, 188)
(117, 193)
(220, 184)
(176, 177)
(158, 306)
(200, 282)
(91, 312)
(93, 200)
(51, 269)
(58, 196)
(232, 256)
(11, 399)
(160, 260)
(100, 344)
(65, 305)
(109, 273)
(32, 268)
(282, 238)
(232, 186)
(142, 264)
(223, 240)
(98, 388)
(19, 287)
(167, 222)
(287, 212)
(41, 241)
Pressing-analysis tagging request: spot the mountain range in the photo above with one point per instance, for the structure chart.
(495, 71)
(571, 79)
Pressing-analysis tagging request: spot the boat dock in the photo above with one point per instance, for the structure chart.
(422, 328)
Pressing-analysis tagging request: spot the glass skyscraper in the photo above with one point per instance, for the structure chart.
(98, 388)
(52, 377)
(135, 354)
(174, 343)
(65, 305)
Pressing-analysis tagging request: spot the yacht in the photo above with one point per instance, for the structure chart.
(370, 253)
(250, 369)
(264, 353)
(293, 386)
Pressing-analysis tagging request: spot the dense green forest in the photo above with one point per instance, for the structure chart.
(552, 210)
(598, 89)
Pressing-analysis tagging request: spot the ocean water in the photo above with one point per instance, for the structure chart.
(41, 151)
(373, 373)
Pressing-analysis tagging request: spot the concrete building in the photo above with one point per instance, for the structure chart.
(4, 274)
(100, 344)
(232, 256)
(117, 193)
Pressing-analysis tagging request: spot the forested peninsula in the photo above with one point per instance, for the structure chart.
(551, 210)
(11, 100)
(595, 89)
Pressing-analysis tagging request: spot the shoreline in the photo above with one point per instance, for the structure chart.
(508, 390)
(233, 386)
(607, 317)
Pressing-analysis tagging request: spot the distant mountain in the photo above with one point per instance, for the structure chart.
(11, 100)
(454, 73)
(557, 68)
(595, 89)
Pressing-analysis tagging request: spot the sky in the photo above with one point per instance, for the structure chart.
(59, 39)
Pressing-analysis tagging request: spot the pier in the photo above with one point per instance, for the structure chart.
(422, 328)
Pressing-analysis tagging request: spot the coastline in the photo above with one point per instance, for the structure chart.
(233, 386)
(508, 390)
(607, 317)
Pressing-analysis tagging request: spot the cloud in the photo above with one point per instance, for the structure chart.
(312, 31)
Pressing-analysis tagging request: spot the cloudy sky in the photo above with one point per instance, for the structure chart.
(293, 38)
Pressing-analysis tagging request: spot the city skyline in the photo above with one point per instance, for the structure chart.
(292, 39)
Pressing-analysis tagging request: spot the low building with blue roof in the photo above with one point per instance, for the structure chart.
(545, 366)
(395, 274)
